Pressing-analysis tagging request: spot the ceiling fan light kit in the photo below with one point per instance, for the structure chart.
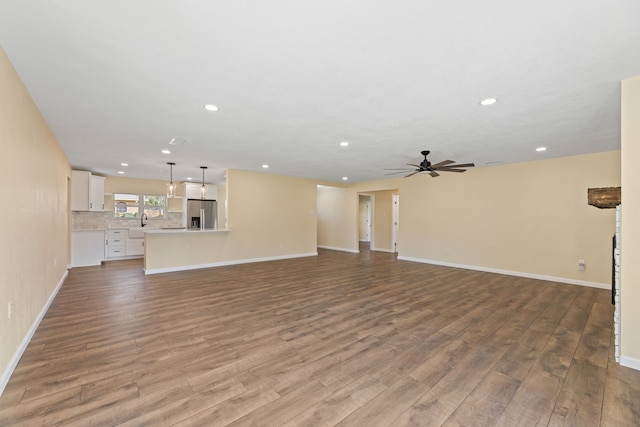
(433, 169)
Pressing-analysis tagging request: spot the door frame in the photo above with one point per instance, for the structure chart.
(395, 224)
(370, 218)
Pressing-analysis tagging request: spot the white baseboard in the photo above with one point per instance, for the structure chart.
(511, 273)
(382, 250)
(333, 248)
(630, 362)
(6, 375)
(224, 263)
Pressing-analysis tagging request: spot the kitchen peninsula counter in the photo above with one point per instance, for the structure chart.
(168, 250)
(178, 249)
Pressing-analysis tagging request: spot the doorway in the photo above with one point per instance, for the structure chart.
(365, 221)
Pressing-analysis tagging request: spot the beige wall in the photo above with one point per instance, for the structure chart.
(530, 218)
(121, 184)
(34, 219)
(270, 217)
(630, 272)
(382, 220)
(337, 218)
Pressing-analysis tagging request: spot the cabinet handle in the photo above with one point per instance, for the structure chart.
(90, 205)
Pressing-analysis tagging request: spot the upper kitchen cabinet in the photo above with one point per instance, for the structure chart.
(174, 204)
(87, 191)
(192, 191)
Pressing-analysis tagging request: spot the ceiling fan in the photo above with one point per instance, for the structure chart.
(426, 166)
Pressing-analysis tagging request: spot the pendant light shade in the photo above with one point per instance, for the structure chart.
(203, 188)
(171, 187)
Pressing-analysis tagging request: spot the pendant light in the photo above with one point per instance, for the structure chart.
(171, 187)
(203, 188)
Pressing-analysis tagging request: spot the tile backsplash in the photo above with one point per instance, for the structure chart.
(103, 220)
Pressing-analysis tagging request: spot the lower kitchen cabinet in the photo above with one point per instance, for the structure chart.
(87, 248)
(117, 244)
(134, 247)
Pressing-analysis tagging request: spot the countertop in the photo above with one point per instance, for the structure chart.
(156, 230)
(184, 231)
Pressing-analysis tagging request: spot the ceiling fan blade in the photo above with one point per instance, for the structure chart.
(434, 174)
(411, 174)
(397, 169)
(415, 166)
(442, 163)
(461, 165)
(452, 170)
(397, 172)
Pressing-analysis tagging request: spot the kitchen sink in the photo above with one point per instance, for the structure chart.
(137, 232)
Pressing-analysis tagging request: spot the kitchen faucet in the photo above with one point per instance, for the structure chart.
(143, 220)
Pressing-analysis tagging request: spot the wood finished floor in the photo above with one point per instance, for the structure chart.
(338, 339)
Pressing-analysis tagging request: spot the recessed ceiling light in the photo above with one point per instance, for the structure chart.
(121, 172)
(265, 166)
(541, 149)
(488, 101)
(344, 178)
(177, 141)
(189, 178)
(344, 144)
(124, 164)
(210, 107)
(166, 152)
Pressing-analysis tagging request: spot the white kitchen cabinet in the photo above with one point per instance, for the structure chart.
(174, 204)
(115, 243)
(134, 247)
(87, 248)
(96, 193)
(120, 243)
(192, 191)
(87, 191)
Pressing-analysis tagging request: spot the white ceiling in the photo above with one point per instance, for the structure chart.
(117, 80)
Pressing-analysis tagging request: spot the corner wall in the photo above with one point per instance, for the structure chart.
(630, 265)
(270, 215)
(34, 220)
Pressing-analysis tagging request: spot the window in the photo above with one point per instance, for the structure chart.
(131, 205)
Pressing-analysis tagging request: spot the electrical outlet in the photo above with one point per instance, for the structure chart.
(10, 309)
(581, 265)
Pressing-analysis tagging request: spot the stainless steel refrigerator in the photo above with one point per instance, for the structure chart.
(202, 214)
